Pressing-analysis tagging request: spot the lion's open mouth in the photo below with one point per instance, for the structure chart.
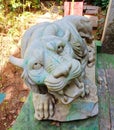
(67, 93)
(63, 88)
(60, 88)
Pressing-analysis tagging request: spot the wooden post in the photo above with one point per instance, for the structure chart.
(73, 8)
(106, 21)
(78, 8)
(108, 33)
(66, 8)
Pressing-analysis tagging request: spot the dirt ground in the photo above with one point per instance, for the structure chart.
(16, 91)
(16, 94)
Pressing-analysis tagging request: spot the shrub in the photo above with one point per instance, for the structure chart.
(101, 3)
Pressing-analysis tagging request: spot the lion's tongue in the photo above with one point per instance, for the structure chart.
(71, 92)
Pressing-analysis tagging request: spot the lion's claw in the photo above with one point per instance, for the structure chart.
(44, 105)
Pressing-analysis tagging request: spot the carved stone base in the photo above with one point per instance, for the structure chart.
(81, 109)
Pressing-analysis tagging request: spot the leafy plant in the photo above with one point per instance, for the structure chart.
(101, 3)
(105, 3)
(19, 5)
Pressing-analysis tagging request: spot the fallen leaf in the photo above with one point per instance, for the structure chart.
(23, 99)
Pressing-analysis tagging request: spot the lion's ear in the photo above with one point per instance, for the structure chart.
(67, 35)
(16, 61)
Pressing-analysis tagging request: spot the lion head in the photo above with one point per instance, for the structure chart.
(53, 60)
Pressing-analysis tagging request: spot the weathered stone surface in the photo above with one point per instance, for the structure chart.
(81, 108)
(55, 58)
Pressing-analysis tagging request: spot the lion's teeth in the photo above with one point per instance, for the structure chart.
(65, 99)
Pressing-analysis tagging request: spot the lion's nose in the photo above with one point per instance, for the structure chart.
(62, 70)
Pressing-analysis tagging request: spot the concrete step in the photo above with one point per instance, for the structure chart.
(89, 9)
(93, 20)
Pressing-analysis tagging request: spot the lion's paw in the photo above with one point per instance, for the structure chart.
(44, 106)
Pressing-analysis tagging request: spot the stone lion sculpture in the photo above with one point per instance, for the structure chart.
(54, 58)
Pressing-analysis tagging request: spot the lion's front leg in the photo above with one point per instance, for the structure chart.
(43, 105)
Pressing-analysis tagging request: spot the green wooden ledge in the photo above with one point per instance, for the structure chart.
(26, 121)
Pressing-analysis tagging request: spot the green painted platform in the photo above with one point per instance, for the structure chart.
(105, 118)
(26, 121)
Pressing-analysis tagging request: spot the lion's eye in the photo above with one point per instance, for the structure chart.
(60, 49)
(36, 66)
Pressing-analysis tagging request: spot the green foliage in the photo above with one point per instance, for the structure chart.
(105, 3)
(13, 24)
(58, 1)
(19, 5)
(101, 3)
(22, 5)
(16, 16)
